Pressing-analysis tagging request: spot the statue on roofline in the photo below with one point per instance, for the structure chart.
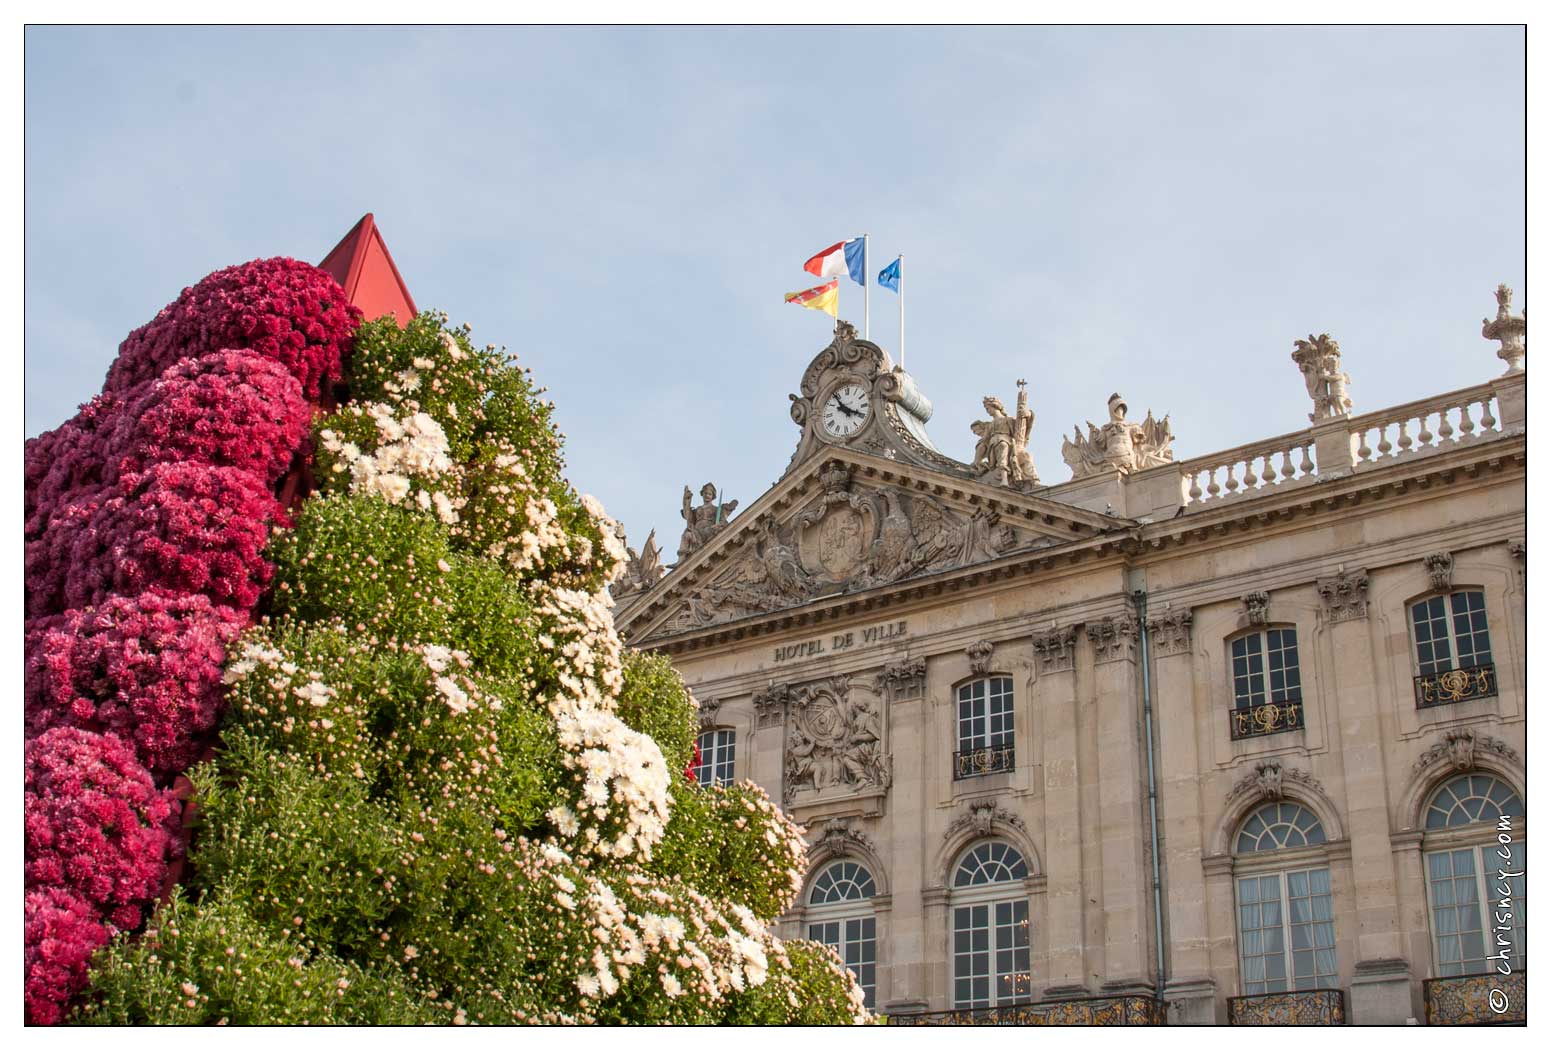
(1119, 445)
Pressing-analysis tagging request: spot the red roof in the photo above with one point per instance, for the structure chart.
(363, 266)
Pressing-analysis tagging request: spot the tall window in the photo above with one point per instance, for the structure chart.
(1287, 935)
(1453, 649)
(717, 752)
(1267, 687)
(1475, 883)
(985, 728)
(990, 927)
(840, 915)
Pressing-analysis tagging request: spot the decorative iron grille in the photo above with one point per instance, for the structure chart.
(1088, 1010)
(978, 761)
(1306, 1007)
(1455, 685)
(1265, 719)
(1475, 999)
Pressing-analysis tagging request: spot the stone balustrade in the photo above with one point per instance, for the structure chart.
(1287, 459)
(1343, 445)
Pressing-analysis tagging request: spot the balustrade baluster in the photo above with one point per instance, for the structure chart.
(1267, 472)
(1424, 437)
(1288, 470)
(1306, 466)
(1363, 452)
(1195, 486)
(1212, 488)
(1488, 421)
(1466, 424)
(1232, 482)
(1405, 439)
(1445, 428)
(1384, 443)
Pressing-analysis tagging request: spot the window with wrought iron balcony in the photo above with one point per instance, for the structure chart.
(985, 728)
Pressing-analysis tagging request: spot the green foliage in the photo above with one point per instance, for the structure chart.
(808, 985)
(656, 702)
(378, 568)
(214, 964)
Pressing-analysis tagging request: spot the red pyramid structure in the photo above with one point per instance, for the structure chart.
(363, 266)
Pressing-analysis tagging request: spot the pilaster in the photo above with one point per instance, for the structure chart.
(1055, 696)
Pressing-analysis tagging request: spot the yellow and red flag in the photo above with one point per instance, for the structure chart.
(825, 297)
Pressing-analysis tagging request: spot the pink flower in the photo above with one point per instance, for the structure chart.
(60, 933)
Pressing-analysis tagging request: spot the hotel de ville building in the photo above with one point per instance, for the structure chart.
(1232, 739)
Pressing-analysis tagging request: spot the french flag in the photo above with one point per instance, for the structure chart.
(842, 257)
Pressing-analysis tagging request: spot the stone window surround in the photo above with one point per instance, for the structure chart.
(1432, 593)
(1261, 629)
(1298, 610)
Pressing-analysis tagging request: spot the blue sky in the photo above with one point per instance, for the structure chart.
(1159, 212)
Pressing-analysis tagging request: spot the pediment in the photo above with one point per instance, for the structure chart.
(845, 524)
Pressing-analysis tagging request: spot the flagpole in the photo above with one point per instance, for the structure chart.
(902, 311)
(866, 295)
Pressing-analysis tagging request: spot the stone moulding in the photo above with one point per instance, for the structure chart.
(1267, 781)
(836, 836)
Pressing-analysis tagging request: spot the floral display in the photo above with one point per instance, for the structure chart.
(432, 785)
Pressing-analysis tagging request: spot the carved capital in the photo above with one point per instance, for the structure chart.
(1257, 608)
(1113, 638)
(979, 654)
(1054, 648)
(1171, 632)
(770, 703)
(1344, 597)
(1440, 570)
(982, 816)
(1459, 749)
(902, 680)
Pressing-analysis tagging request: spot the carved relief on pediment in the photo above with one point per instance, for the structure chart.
(846, 540)
(834, 742)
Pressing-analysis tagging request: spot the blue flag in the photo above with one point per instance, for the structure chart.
(856, 260)
(888, 277)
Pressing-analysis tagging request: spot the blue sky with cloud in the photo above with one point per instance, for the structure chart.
(1155, 211)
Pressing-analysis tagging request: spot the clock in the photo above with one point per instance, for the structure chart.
(845, 410)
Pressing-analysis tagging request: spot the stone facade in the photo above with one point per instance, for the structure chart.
(836, 619)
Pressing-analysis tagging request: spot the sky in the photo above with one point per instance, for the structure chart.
(1156, 212)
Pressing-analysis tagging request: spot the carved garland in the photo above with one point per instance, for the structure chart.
(836, 837)
(1460, 748)
(1268, 780)
(982, 817)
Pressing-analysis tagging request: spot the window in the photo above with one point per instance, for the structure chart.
(1287, 935)
(840, 915)
(1267, 688)
(985, 728)
(990, 928)
(717, 752)
(1453, 649)
(1475, 885)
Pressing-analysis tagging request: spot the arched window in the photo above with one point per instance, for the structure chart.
(990, 927)
(717, 754)
(1287, 936)
(1267, 683)
(1475, 881)
(985, 728)
(1453, 649)
(840, 915)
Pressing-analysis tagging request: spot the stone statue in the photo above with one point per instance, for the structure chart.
(1507, 330)
(703, 522)
(1319, 359)
(641, 570)
(1002, 453)
(1119, 445)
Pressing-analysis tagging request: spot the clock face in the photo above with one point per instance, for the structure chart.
(845, 411)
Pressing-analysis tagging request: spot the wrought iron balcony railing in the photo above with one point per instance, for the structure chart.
(1455, 685)
(1088, 1010)
(1265, 719)
(978, 761)
(1475, 999)
(1306, 1007)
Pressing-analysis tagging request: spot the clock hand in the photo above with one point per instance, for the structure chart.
(843, 407)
